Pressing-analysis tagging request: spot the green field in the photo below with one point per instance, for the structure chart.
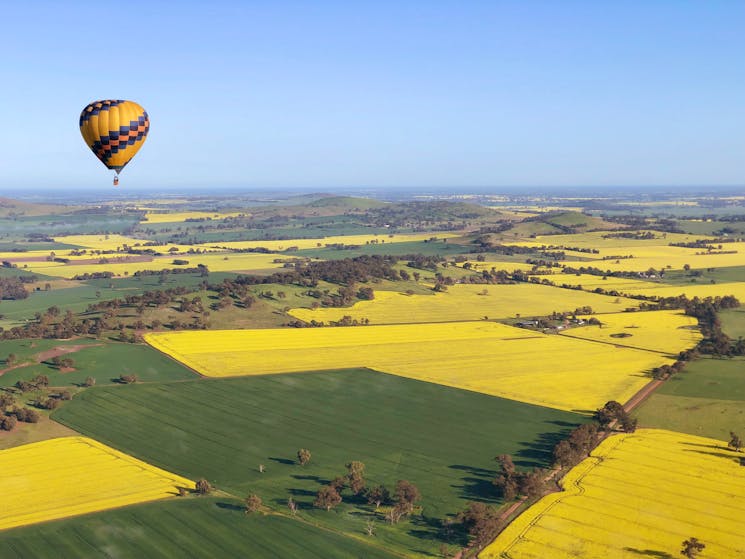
(727, 274)
(733, 322)
(70, 224)
(706, 399)
(80, 294)
(199, 527)
(443, 440)
(23, 246)
(103, 360)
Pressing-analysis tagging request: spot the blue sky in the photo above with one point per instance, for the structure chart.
(354, 94)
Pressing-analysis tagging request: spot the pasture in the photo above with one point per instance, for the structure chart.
(101, 359)
(200, 528)
(83, 475)
(441, 439)
(487, 357)
(638, 495)
(707, 398)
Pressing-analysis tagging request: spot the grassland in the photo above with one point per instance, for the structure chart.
(202, 528)
(441, 439)
(707, 399)
(101, 359)
(662, 331)
(638, 495)
(469, 302)
(82, 222)
(487, 357)
(733, 321)
(82, 475)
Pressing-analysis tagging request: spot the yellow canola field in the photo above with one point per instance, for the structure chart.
(64, 477)
(225, 262)
(499, 265)
(176, 217)
(98, 242)
(670, 260)
(487, 357)
(596, 240)
(301, 244)
(647, 253)
(590, 282)
(663, 331)
(639, 494)
(691, 290)
(466, 302)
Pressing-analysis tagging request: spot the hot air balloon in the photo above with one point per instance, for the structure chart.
(115, 131)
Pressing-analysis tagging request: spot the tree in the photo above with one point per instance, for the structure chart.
(253, 503)
(355, 476)
(203, 487)
(6, 399)
(27, 415)
(292, 505)
(406, 494)
(532, 484)
(338, 483)
(303, 456)
(735, 442)
(11, 359)
(377, 496)
(8, 422)
(481, 521)
(327, 498)
(41, 381)
(691, 548)
(89, 381)
(506, 480)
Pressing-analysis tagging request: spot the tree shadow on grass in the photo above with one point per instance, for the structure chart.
(476, 484)
(538, 453)
(433, 529)
(306, 477)
(230, 506)
(653, 553)
(285, 461)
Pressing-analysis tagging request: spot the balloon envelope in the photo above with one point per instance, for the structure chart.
(115, 130)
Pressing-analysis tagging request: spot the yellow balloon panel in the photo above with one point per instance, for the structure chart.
(115, 130)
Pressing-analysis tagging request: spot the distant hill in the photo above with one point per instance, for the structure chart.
(351, 203)
(17, 208)
(557, 223)
(435, 210)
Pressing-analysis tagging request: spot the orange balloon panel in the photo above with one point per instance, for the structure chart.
(114, 130)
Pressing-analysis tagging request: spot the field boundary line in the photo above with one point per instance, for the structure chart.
(622, 346)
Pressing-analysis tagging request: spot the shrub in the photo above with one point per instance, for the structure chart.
(203, 487)
(8, 422)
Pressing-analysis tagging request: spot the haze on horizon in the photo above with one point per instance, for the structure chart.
(334, 94)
